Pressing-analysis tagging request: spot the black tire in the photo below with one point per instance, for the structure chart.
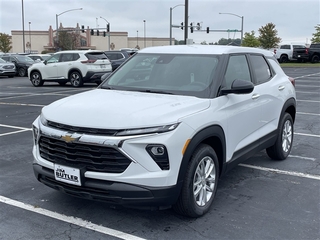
(283, 59)
(75, 79)
(36, 79)
(191, 202)
(22, 72)
(282, 147)
(315, 59)
(98, 82)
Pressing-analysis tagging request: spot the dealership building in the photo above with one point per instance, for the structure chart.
(40, 41)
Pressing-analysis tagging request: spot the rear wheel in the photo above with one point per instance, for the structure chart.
(36, 79)
(315, 59)
(200, 183)
(22, 72)
(75, 79)
(282, 147)
(283, 59)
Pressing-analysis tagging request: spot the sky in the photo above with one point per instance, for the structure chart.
(295, 20)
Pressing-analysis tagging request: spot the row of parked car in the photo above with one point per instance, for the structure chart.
(75, 66)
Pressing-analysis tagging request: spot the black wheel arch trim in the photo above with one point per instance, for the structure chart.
(213, 136)
(74, 70)
(289, 107)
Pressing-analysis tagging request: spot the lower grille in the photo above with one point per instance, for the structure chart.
(92, 158)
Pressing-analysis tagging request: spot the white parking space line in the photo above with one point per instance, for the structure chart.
(290, 173)
(309, 75)
(22, 104)
(10, 126)
(308, 135)
(69, 219)
(304, 92)
(10, 133)
(304, 158)
(311, 101)
(310, 86)
(312, 114)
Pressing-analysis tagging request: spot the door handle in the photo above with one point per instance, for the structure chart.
(281, 87)
(255, 96)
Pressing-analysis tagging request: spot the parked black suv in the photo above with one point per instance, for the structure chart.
(22, 62)
(117, 58)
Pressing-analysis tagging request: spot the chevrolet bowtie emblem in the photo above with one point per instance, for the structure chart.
(68, 138)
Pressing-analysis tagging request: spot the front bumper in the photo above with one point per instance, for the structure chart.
(114, 193)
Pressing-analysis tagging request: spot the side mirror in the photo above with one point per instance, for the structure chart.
(238, 86)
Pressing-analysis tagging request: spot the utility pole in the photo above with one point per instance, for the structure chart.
(186, 24)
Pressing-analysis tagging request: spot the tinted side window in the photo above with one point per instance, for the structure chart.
(66, 57)
(260, 68)
(237, 69)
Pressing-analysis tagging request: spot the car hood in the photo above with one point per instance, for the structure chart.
(114, 109)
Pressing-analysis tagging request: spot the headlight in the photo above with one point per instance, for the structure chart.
(43, 121)
(138, 131)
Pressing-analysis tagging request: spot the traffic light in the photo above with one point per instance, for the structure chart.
(92, 32)
(104, 33)
(191, 28)
(208, 30)
(182, 25)
(198, 26)
(97, 32)
(108, 27)
(82, 28)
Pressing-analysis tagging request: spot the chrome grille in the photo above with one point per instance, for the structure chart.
(92, 158)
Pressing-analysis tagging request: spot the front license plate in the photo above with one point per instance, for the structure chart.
(67, 174)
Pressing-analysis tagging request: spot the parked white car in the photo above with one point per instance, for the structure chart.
(161, 134)
(74, 66)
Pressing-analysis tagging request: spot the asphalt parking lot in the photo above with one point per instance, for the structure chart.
(259, 199)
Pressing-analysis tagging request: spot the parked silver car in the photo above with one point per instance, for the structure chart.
(7, 68)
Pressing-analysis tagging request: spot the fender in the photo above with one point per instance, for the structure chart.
(213, 136)
(290, 107)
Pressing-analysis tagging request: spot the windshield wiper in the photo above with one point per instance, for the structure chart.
(155, 91)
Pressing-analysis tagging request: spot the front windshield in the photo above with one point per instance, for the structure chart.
(2, 61)
(181, 74)
(25, 59)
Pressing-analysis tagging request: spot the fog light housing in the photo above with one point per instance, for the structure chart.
(159, 154)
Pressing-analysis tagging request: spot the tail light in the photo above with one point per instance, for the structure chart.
(307, 50)
(89, 61)
(292, 81)
(275, 51)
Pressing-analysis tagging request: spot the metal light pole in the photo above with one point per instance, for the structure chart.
(57, 15)
(242, 18)
(108, 32)
(171, 20)
(137, 38)
(144, 21)
(23, 40)
(30, 37)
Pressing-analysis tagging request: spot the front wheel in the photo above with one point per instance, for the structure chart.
(282, 147)
(36, 79)
(283, 59)
(200, 183)
(75, 79)
(22, 72)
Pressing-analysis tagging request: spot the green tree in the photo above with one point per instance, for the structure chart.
(316, 35)
(67, 41)
(229, 41)
(5, 43)
(250, 40)
(268, 36)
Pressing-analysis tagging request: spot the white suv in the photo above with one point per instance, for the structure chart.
(74, 66)
(171, 121)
